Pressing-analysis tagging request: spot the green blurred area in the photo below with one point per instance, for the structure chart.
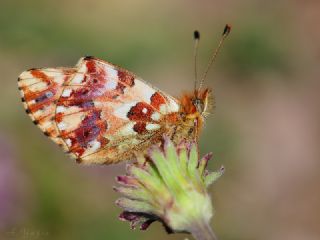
(266, 76)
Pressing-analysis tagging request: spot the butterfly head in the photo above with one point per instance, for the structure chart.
(203, 101)
(194, 107)
(197, 104)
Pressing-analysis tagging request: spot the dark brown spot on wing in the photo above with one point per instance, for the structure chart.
(140, 112)
(91, 66)
(126, 78)
(140, 127)
(157, 99)
(91, 128)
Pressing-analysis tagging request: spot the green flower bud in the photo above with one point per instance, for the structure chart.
(169, 185)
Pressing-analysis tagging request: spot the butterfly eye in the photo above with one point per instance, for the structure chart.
(198, 103)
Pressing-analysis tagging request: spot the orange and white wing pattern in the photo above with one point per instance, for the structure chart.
(40, 89)
(96, 111)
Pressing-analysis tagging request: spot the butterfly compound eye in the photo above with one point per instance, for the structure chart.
(198, 103)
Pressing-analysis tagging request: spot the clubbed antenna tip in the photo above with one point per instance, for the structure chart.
(226, 29)
(196, 34)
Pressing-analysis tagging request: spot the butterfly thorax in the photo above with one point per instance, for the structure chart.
(194, 107)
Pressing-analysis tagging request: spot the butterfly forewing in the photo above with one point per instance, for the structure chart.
(98, 112)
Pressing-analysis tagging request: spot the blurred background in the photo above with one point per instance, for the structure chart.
(265, 129)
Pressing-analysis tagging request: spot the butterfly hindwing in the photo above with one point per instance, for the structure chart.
(99, 112)
(40, 89)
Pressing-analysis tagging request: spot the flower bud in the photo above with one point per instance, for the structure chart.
(168, 185)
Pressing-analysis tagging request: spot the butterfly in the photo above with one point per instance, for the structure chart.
(101, 113)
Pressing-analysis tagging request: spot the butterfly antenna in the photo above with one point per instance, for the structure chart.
(196, 37)
(225, 33)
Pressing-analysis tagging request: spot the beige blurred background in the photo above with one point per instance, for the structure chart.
(265, 129)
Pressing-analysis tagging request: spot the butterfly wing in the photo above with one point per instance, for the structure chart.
(98, 112)
(40, 89)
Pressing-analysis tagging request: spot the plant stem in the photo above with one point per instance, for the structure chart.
(201, 230)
